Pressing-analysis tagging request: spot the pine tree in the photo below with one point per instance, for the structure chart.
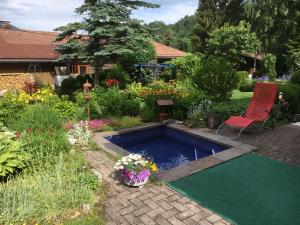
(106, 33)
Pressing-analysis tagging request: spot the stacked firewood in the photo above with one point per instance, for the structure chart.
(13, 80)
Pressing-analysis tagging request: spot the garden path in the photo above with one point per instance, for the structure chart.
(150, 204)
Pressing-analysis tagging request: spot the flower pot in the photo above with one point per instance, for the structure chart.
(132, 183)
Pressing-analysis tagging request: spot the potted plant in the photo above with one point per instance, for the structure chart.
(135, 170)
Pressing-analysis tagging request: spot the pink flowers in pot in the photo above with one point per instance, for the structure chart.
(135, 170)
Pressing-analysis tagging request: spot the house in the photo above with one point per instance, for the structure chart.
(25, 53)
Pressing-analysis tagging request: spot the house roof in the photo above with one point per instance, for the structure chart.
(26, 45)
(22, 45)
(164, 51)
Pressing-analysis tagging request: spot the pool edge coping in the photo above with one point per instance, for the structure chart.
(235, 149)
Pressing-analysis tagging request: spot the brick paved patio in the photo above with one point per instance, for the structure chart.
(148, 205)
(281, 143)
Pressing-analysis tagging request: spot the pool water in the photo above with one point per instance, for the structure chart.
(167, 147)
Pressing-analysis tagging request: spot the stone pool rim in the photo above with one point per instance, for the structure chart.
(235, 149)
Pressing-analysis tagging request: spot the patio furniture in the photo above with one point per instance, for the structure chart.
(258, 111)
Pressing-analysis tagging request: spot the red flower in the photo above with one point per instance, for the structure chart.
(111, 82)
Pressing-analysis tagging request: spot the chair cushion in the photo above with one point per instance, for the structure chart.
(238, 121)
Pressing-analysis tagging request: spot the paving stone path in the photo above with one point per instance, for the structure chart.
(150, 204)
(281, 143)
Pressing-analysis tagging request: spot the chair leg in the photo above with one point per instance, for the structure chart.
(232, 137)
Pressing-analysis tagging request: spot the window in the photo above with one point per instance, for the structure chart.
(34, 68)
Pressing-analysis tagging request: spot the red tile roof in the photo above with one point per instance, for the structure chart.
(20, 45)
(164, 51)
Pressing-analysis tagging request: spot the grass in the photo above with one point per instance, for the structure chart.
(45, 195)
(236, 94)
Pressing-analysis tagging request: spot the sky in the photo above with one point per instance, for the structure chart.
(45, 15)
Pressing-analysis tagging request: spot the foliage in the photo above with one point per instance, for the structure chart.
(148, 114)
(42, 196)
(112, 33)
(80, 134)
(232, 41)
(217, 78)
(125, 122)
(245, 83)
(175, 35)
(70, 85)
(291, 94)
(63, 107)
(117, 73)
(12, 156)
(198, 113)
(269, 66)
(38, 117)
(296, 78)
(115, 102)
(187, 64)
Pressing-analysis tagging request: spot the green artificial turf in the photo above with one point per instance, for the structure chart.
(250, 190)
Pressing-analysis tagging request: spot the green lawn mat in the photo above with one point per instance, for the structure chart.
(249, 190)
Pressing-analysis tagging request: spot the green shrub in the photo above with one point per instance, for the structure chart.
(116, 72)
(44, 195)
(126, 122)
(115, 102)
(230, 108)
(64, 108)
(12, 157)
(96, 110)
(269, 66)
(70, 85)
(38, 117)
(243, 77)
(296, 78)
(217, 78)
(291, 93)
(198, 113)
(148, 114)
(187, 64)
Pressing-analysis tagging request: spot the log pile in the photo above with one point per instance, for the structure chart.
(16, 81)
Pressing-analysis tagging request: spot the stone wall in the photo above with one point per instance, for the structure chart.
(13, 80)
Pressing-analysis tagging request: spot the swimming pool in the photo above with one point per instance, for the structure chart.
(167, 147)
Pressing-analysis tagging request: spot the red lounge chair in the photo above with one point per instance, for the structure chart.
(258, 111)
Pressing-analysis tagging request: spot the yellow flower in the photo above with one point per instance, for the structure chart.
(153, 167)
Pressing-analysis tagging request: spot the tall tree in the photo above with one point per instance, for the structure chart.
(274, 22)
(212, 14)
(231, 42)
(106, 33)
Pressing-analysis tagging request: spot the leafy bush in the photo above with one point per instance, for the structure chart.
(247, 86)
(291, 94)
(115, 102)
(148, 114)
(296, 78)
(12, 157)
(230, 108)
(96, 110)
(70, 85)
(116, 72)
(38, 117)
(63, 107)
(269, 66)
(217, 78)
(126, 122)
(198, 113)
(187, 64)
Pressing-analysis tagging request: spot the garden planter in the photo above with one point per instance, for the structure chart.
(133, 183)
(214, 120)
